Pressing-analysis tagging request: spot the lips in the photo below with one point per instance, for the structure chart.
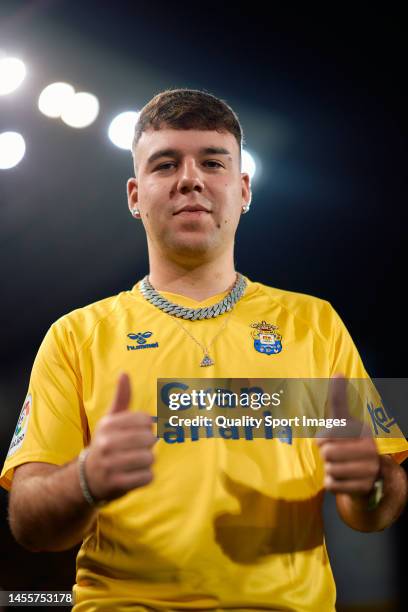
(192, 208)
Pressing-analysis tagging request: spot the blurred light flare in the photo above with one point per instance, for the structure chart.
(76, 109)
(248, 164)
(54, 98)
(82, 110)
(121, 129)
(12, 74)
(12, 149)
(79, 110)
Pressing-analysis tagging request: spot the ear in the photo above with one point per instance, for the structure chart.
(246, 190)
(132, 195)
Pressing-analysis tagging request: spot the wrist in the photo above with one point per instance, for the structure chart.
(83, 482)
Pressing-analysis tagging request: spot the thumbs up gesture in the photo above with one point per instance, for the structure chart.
(120, 455)
(352, 464)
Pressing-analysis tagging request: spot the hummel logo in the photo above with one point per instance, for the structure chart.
(141, 339)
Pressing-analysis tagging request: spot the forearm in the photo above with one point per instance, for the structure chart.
(354, 511)
(49, 513)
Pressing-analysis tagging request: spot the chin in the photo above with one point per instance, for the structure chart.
(191, 247)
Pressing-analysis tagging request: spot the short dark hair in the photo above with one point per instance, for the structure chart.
(188, 109)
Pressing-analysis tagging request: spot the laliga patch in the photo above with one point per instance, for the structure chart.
(21, 427)
(266, 338)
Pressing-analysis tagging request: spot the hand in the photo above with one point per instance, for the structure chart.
(352, 464)
(120, 455)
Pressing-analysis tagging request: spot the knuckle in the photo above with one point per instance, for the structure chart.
(105, 423)
(327, 452)
(147, 457)
(104, 445)
(143, 419)
(152, 439)
(141, 459)
(145, 439)
(146, 477)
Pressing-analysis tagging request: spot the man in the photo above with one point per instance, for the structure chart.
(200, 522)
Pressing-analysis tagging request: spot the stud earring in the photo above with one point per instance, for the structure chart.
(135, 212)
(245, 209)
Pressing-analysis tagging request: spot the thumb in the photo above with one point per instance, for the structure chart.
(339, 408)
(337, 398)
(122, 397)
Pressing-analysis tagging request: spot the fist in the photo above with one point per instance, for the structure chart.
(352, 462)
(120, 456)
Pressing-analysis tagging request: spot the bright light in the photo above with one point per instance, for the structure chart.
(248, 164)
(122, 128)
(54, 98)
(81, 111)
(12, 149)
(12, 73)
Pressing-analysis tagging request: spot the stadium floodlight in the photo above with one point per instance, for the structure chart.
(248, 163)
(12, 149)
(12, 74)
(81, 111)
(121, 129)
(54, 98)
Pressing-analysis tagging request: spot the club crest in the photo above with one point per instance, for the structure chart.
(266, 338)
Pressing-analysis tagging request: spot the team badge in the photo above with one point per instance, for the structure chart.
(21, 427)
(266, 338)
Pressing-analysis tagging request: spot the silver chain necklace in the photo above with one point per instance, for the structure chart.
(207, 360)
(209, 312)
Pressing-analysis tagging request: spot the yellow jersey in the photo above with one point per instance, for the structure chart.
(226, 523)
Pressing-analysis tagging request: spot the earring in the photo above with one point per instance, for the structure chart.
(135, 212)
(245, 209)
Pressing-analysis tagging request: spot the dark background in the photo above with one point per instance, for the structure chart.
(322, 102)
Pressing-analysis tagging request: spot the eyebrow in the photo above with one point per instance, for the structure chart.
(177, 153)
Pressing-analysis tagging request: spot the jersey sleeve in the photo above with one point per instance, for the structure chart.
(52, 426)
(345, 359)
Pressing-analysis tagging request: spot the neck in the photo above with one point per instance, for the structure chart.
(198, 282)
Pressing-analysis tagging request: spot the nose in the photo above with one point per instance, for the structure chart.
(189, 178)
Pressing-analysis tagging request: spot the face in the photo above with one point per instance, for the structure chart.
(189, 190)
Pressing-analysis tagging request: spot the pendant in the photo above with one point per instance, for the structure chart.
(207, 361)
